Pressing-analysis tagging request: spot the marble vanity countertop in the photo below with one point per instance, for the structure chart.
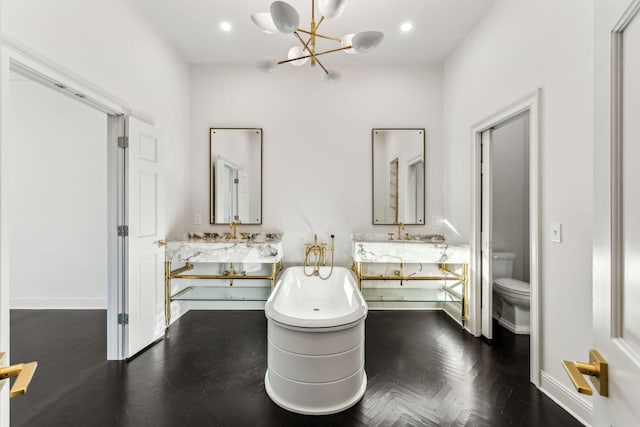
(378, 248)
(212, 247)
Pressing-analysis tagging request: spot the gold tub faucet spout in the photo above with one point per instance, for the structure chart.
(400, 228)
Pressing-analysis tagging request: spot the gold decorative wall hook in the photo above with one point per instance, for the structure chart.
(597, 369)
(24, 373)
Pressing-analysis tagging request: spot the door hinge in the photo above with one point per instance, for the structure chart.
(123, 230)
(236, 181)
(123, 318)
(123, 142)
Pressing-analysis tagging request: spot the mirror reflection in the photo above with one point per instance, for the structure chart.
(236, 175)
(398, 176)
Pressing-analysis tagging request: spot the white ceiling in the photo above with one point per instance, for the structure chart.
(438, 27)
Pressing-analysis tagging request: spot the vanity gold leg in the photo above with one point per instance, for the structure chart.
(465, 283)
(167, 294)
(274, 270)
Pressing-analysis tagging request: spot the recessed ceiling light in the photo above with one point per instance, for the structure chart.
(406, 27)
(225, 26)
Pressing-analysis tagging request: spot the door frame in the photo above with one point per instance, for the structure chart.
(530, 103)
(16, 55)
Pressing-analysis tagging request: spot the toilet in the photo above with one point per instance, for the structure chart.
(511, 308)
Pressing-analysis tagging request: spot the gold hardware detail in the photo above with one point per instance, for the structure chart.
(597, 369)
(161, 243)
(24, 374)
(319, 252)
(399, 275)
(234, 227)
(230, 275)
(400, 228)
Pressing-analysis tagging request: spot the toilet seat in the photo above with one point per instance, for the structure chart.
(514, 286)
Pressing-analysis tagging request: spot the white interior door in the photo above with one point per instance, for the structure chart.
(144, 287)
(616, 282)
(486, 236)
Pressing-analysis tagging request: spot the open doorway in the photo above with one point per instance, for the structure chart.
(521, 118)
(505, 224)
(58, 203)
(59, 216)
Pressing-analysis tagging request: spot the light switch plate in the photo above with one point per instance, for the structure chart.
(556, 232)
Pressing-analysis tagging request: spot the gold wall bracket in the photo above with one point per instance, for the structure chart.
(23, 372)
(597, 369)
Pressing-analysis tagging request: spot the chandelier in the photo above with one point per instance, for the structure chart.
(284, 18)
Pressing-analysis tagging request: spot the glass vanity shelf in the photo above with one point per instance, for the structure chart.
(222, 293)
(409, 295)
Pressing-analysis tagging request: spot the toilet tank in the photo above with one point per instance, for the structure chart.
(502, 265)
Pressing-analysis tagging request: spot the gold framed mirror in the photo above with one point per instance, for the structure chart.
(235, 173)
(398, 175)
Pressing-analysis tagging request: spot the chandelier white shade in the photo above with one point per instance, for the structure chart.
(366, 41)
(264, 22)
(284, 18)
(331, 8)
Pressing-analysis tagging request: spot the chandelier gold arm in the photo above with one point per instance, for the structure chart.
(305, 46)
(322, 36)
(322, 66)
(286, 61)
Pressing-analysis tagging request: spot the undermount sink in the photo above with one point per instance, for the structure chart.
(215, 247)
(378, 248)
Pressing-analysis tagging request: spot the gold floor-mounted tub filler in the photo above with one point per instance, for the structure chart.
(319, 253)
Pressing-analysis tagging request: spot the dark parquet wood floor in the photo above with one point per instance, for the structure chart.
(209, 371)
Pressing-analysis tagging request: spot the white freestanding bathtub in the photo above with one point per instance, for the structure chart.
(315, 342)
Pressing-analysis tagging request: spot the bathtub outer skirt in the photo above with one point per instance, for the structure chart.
(324, 376)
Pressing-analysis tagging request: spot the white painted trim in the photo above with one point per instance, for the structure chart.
(115, 171)
(529, 103)
(23, 56)
(18, 56)
(59, 303)
(4, 240)
(579, 408)
(512, 327)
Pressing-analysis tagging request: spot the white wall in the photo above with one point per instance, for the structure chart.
(510, 164)
(59, 200)
(113, 45)
(317, 143)
(520, 46)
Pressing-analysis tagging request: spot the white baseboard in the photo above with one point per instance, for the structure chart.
(520, 330)
(58, 303)
(563, 396)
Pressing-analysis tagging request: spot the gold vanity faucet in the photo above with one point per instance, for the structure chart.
(400, 228)
(233, 226)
